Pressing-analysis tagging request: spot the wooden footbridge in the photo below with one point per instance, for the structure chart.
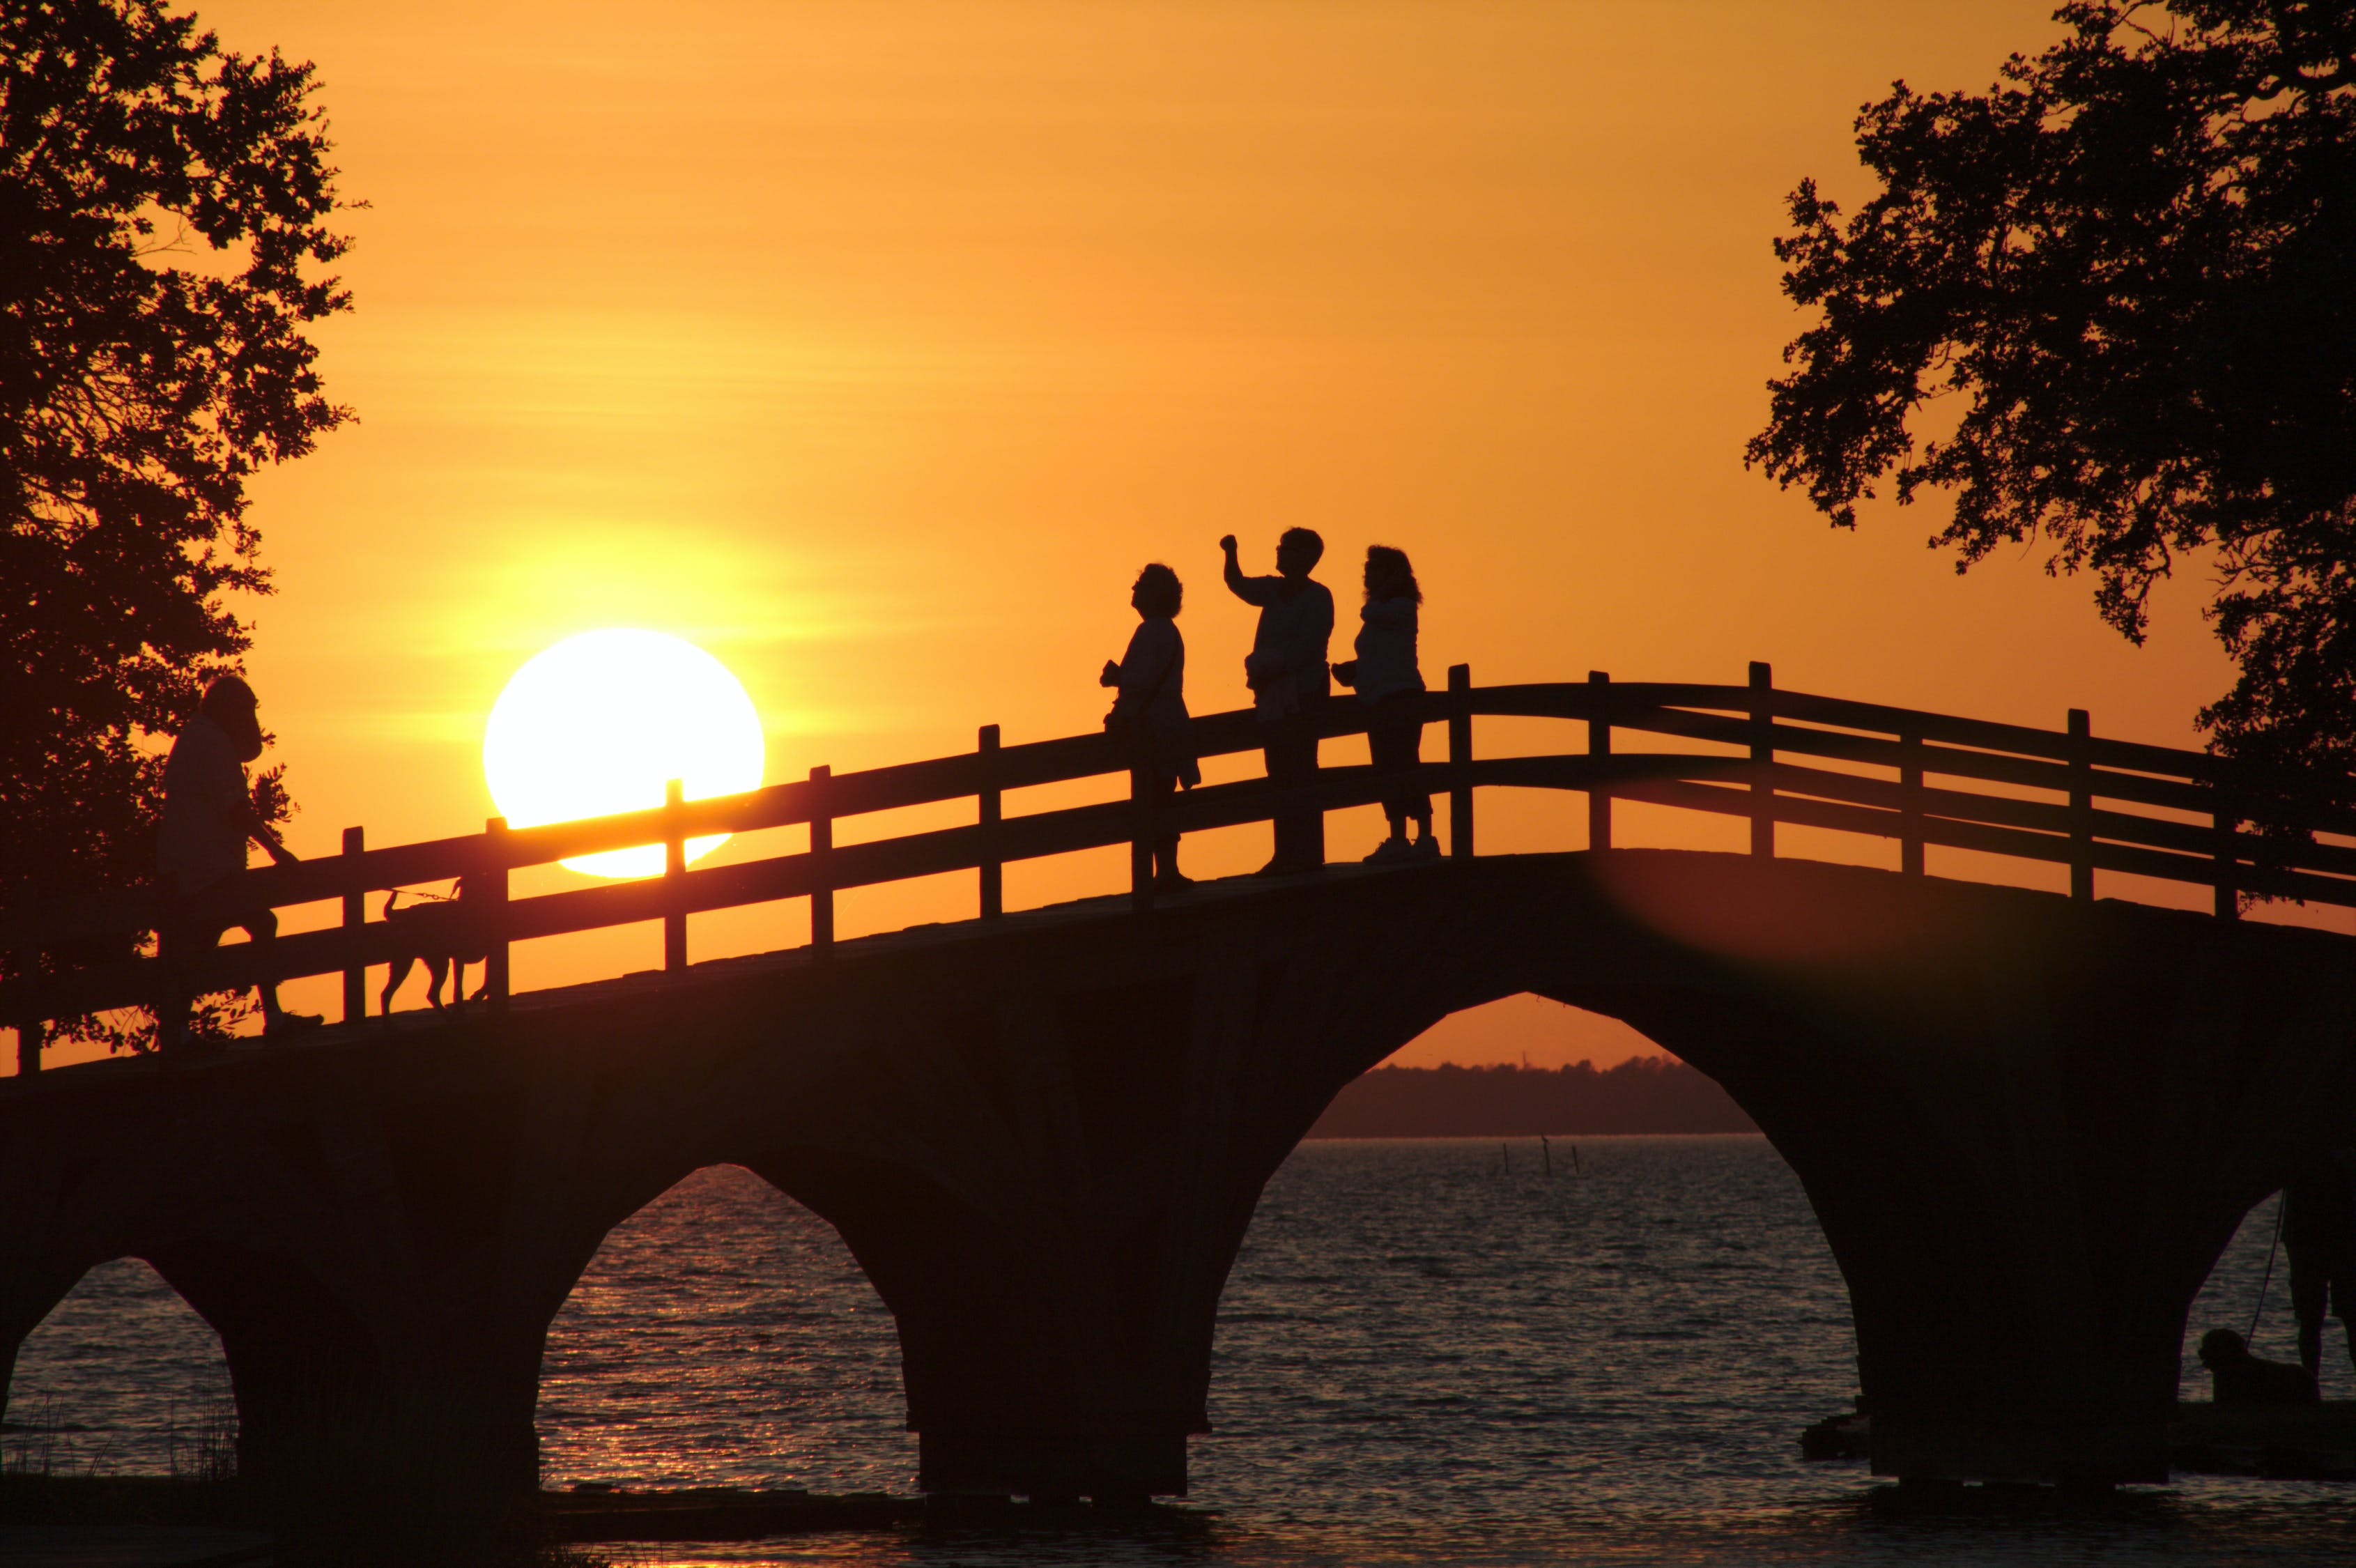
(2029, 1121)
(2065, 797)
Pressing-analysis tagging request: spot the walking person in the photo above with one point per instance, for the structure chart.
(1152, 707)
(208, 817)
(1289, 683)
(2319, 1236)
(1388, 682)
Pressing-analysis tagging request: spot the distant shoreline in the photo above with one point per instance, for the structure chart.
(1641, 1095)
(1492, 1139)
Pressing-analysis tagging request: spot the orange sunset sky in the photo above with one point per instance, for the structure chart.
(873, 347)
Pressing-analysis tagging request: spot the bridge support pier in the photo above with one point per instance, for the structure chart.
(2028, 1127)
(2016, 1320)
(398, 1437)
(1994, 1340)
(351, 1453)
(1028, 1352)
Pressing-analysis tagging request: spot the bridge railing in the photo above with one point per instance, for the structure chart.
(2064, 797)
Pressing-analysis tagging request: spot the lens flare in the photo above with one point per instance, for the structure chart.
(600, 721)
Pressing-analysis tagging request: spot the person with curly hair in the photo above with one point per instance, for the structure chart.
(1150, 709)
(208, 818)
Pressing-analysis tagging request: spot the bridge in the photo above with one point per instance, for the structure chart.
(2029, 1120)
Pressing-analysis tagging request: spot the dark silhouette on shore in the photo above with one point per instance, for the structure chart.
(1386, 679)
(2237, 1377)
(209, 819)
(1643, 1095)
(1287, 673)
(2319, 1238)
(1151, 711)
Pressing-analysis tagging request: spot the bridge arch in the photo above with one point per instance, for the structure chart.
(728, 1337)
(1424, 1316)
(2028, 1126)
(154, 1403)
(231, 1222)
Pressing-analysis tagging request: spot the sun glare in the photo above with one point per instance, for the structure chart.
(600, 721)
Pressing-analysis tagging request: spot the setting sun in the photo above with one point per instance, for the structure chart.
(600, 721)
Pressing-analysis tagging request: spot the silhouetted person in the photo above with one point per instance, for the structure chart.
(1287, 673)
(208, 817)
(2236, 1377)
(1152, 707)
(2319, 1234)
(1388, 681)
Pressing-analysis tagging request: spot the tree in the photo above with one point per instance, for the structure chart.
(161, 203)
(2133, 263)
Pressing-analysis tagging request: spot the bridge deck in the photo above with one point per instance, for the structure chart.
(2095, 806)
(412, 1025)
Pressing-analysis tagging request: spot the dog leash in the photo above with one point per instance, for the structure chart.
(2269, 1277)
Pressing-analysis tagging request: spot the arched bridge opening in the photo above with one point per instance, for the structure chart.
(724, 1336)
(1478, 1259)
(1450, 1320)
(121, 1377)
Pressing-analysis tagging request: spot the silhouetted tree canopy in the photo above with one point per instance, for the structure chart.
(2132, 266)
(160, 202)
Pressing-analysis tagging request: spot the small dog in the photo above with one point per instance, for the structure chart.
(2236, 1377)
(446, 936)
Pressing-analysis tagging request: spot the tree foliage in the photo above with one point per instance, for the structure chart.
(162, 206)
(2133, 265)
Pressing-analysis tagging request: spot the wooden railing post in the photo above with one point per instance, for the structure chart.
(1460, 761)
(1599, 757)
(674, 876)
(2081, 805)
(1910, 811)
(355, 916)
(1762, 753)
(821, 844)
(496, 977)
(992, 802)
(1140, 834)
(2227, 821)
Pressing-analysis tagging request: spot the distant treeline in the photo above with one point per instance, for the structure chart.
(1643, 1095)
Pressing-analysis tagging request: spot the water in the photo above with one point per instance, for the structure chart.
(1425, 1356)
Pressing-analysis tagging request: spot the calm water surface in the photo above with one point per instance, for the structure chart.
(1428, 1354)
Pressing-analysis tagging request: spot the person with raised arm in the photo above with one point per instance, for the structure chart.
(1151, 710)
(209, 819)
(1287, 673)
(1388, 682)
